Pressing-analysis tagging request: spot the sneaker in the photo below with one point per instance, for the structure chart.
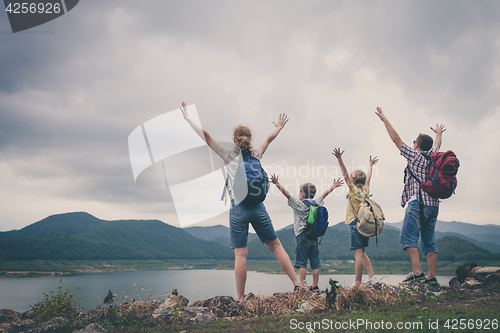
(412, 277)
(316, 289)
(432, 282)
(373, 280)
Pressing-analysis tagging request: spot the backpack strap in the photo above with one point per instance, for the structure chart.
(226, 183)
(307, 202)
(420, 199)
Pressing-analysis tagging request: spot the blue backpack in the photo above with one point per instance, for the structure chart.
(251, 183)
(317, 222)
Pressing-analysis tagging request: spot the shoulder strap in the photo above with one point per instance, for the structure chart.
(420, 199)
(307, 202)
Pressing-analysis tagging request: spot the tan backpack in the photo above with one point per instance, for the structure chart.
(370, 217)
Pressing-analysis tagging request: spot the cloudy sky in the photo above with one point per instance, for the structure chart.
(72, 90)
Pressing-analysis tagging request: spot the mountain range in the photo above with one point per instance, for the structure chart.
(80, 236)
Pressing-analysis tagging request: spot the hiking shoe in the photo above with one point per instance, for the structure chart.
(315, 289)
(412, 277)
(432, 282)
(373, 280)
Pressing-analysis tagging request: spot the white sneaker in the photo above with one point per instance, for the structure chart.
(373, 280)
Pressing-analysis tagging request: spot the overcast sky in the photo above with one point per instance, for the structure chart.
(72, 90)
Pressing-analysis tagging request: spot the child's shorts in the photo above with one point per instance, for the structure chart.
(357, 240)
(306, 249)
(239, 218)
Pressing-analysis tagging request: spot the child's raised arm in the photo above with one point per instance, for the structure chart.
(279, 126)
(336, 183)
(274, 180)
(338, 155)
(200, 131)
(369, 174)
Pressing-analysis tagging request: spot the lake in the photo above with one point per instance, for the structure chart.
(18, 293)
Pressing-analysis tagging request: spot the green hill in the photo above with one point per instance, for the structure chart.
(101, 239)
(70, 223)
(456, 249)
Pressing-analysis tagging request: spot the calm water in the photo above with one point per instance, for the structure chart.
(193, 284)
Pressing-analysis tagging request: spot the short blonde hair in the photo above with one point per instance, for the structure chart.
(359, 177)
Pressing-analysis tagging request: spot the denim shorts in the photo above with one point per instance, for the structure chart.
(357, 240)
(413, 227)
(239, 218)
(306, 248)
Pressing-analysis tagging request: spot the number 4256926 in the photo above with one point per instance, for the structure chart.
(32, 8)
(478, 324)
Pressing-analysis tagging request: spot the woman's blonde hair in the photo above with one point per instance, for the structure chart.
(358, 177)
(243, 137)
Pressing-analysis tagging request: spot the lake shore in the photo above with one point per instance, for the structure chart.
(46, 268)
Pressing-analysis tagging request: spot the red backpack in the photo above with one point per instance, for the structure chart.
(442, 180)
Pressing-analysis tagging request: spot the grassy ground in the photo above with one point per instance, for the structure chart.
(37, 268)
(457, 312)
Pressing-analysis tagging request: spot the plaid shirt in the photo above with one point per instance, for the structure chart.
(301, 213)
(419, 165)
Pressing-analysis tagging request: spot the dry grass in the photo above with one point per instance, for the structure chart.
(281, 303)
(365, 295)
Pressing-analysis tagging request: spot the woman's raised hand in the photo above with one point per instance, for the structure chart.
(282, 121)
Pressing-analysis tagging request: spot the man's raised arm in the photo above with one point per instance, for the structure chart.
(392, 132)
(439, 135)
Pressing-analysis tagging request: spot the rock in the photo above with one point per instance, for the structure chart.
(480, 273)
(54, 323)
(493, 278)
(23, 325)
(306, 307)
(221, 306)
(92, 328)
(471, 283)
(465, 271)
(27, 314)
(454, 283)
(8, 316)
(197, 314)
(168, 304)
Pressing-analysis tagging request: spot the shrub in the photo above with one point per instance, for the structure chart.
(60, 304)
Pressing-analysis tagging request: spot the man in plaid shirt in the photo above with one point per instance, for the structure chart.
(415, 225)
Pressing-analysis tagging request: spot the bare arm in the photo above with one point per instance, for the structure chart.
(274, 180)
(279, 126)
(336, 183)
(392, 132)
(338, 155)
(200, 131)
(439, 135)
(369, 174)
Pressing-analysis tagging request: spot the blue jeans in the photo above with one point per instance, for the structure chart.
(358, 241)
(413, 228)
(239, 218)
(305, 249)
